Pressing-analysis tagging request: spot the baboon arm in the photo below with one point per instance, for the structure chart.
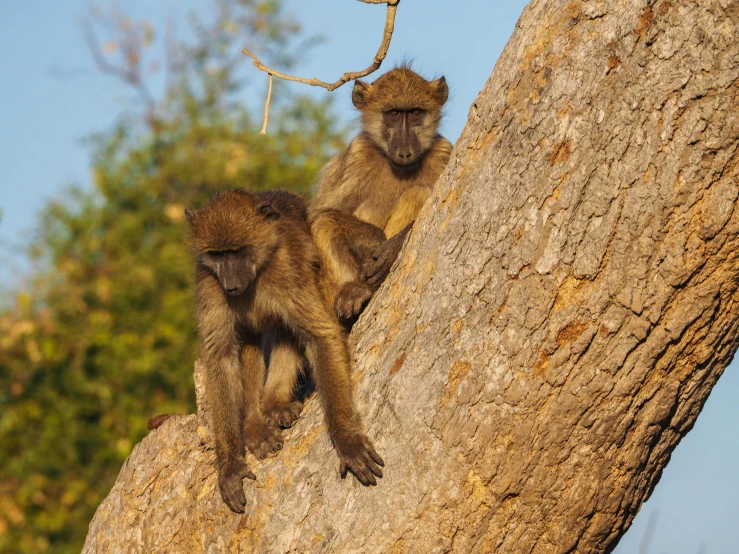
(329, 356)
(345, 242)
(361, 237)
(377, 268)
(224, 378)
(339, 264)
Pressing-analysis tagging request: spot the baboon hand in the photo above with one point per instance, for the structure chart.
(360, 457)
(351, 299)
(375, 270)
(230, 483)
(262, 439)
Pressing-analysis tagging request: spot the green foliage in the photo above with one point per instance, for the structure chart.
(106, 337)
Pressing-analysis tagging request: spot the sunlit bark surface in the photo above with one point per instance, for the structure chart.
(556, 321)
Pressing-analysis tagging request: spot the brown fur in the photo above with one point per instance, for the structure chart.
(258, 246)
(366, 187)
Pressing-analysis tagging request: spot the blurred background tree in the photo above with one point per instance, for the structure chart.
(105, 337)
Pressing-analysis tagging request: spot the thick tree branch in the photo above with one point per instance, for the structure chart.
(553, 326)
(392, 6)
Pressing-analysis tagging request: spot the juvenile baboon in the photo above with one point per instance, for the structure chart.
(257, 289)
(368, 197)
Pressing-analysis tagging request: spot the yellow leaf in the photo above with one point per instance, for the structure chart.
(174, 212)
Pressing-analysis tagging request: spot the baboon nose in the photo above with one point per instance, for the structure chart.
(232, 290)
(404, 155)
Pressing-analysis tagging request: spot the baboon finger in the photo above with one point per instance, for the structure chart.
(358, 474)
(367, 477)
(368, 271)
(362, 473)
(373, 270)
(382, 270)
(374, 280)
(272, 446)
(373, 467)
(343, 468)
(374, 455)
(236, 502)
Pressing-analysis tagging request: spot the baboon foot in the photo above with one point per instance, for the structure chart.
(281, 414)
(262, 439)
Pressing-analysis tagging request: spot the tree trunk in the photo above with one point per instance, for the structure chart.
(558, 317)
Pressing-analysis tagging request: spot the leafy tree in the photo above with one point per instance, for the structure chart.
(106, 337)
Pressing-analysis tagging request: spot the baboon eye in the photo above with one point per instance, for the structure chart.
(393, 112)
(417, 112)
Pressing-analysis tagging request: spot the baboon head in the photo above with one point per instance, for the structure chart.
(234, 236)
(401, 112)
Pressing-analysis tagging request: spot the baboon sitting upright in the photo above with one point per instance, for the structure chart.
(257, 282)
(374, 190)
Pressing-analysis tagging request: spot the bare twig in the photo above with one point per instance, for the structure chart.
(392, 6)
(130, 74)
(266, 107)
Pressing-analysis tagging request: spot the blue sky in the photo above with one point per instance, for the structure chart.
(43, 119)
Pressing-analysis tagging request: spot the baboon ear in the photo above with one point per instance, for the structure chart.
(360, 92)
(190, 215)
(442, 90)
(266, 209)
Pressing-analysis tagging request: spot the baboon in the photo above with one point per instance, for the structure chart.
(257, 289)
(368, 197)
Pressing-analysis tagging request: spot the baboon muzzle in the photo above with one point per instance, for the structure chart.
(235, 280)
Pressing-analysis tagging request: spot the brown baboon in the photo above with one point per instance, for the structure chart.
(257, 288)
(374, 190)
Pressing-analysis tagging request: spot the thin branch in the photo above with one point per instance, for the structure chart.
(392, 7)
(266, 107)
(129, 75)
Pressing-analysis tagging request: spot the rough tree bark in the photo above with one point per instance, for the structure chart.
(556, 321)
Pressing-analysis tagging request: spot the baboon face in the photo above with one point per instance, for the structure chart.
(400, 130)
(234, 235)
(401, 112)
(235, 270)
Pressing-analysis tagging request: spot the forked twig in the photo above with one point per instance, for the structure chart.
(387, 35)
